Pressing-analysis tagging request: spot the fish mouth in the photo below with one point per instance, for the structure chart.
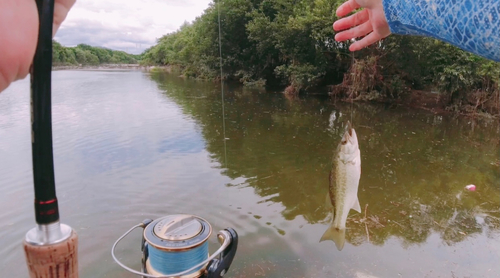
(348, 134)
(349, 131)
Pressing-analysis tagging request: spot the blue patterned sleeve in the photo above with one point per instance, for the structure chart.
(472, 25)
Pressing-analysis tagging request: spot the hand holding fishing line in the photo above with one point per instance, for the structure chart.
(470, 25)
(369, 22)
(19, 33)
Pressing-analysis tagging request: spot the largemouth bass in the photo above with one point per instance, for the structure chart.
(343, 189)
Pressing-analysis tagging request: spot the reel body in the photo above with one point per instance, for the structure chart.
(177, 246)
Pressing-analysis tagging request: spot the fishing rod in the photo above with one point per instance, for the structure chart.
(50, 247)
(172, 246)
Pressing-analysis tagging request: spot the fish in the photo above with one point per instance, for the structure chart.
(343, 188)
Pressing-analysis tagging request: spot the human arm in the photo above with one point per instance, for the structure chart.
(19, 35)
(471, 25)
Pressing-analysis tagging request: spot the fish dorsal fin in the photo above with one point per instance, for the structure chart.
(356, 205)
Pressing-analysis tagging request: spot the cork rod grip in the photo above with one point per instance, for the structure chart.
(56, 260)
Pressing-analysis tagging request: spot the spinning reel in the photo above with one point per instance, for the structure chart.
(177, 246)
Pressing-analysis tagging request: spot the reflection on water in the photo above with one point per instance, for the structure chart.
(415, 165)
(131, 145)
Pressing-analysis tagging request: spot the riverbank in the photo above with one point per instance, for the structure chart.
(167, 69)
(433, 102)
(483, 103)
(427, 100)
(100, 67)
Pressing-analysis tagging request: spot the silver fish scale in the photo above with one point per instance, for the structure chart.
(343, 187)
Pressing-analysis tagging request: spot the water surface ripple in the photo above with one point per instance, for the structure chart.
(130, 145)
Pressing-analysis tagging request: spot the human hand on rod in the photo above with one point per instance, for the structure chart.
(19, 35)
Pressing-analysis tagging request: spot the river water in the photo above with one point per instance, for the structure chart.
(130, 145)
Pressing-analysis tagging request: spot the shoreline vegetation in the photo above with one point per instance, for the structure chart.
(290, 45)
(84, 55)
(99, 67)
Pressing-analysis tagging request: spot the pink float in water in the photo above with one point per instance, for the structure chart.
(470, 187)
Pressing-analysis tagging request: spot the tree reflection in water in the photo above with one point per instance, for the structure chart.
(414, 164)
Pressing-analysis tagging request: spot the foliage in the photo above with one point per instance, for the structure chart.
(84, 54)
(469, 83)
(291, 43)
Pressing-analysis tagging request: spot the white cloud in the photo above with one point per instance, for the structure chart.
(126, 25)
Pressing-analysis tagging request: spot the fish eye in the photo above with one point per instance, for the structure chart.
(344, 142)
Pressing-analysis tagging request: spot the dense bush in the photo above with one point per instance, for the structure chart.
(290, 43)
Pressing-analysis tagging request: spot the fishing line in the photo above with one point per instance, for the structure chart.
(222, 87)
(352, 65)
(173, 262)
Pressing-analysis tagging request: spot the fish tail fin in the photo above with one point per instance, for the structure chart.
(356, 205)
(336, 235)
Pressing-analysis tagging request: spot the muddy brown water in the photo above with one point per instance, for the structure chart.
(130, 145)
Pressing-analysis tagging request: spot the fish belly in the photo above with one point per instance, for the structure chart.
(348, 176)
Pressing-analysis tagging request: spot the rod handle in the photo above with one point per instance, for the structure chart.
(54, 260)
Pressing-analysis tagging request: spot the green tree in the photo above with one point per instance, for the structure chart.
(89, 55)
(291, 43)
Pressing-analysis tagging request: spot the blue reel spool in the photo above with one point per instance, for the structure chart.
(176, 243)
(177, 246)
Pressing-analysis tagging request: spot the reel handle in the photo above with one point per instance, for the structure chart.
(218, 267)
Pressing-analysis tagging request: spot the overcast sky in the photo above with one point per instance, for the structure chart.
(126, 25)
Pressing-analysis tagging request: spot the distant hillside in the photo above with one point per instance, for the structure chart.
(89, 55)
